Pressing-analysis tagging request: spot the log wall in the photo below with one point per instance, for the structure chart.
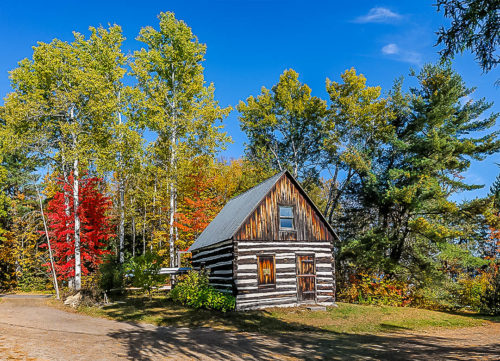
(249, 295)
(218, 261)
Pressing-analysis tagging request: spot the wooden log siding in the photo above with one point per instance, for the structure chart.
(218, 261)
(250, 296)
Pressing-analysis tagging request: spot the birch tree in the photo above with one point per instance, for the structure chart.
(60, 109)
(122, 154)
(179, 107)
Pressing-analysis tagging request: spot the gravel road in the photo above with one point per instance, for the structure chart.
(30, 329)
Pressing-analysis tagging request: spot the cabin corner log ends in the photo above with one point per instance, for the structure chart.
(269, 246)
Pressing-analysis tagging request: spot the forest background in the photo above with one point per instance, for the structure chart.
(125, 151)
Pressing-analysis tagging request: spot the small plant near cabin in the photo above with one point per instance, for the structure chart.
(194, 290)
(376, 290)
(145, 272)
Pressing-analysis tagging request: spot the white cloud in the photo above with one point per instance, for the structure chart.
(390, 49)
(403, 55)
(378, 15)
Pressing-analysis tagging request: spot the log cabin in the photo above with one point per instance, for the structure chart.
(269, 247)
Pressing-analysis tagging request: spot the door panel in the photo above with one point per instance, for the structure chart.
(306, 278)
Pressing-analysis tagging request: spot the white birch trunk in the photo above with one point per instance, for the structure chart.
(173, 200)
(67, 211)
(153, 223)
(144, 232)
(121, 191)
(51, 257)
(121, 226)
(133, 235)
(76, 206)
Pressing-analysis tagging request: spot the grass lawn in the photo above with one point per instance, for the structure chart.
(347, 318)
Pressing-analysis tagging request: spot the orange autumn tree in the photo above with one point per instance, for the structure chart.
(206, 187)
(198, 207)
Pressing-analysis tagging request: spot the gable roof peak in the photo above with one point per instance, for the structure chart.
(229, 220)
(234, 213)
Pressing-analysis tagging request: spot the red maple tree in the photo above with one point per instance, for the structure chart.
(95, 227)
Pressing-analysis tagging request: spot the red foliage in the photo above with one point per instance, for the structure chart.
(95, 227)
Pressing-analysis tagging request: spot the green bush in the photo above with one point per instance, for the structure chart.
(479, 291)
(436, 296)
(145, 271)
(34, 281)
(470, 290)
(194, 290)
(490, 300)
(112, 275)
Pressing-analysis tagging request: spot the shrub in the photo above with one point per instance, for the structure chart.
(145, 271)
(92, 293)
(29, 282)
(438, 296)
(490, 300)
(478, 291)
(112, 274)
(471, 288)
(194, 290)
(376, 290)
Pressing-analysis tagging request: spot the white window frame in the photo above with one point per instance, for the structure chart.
(282, 217)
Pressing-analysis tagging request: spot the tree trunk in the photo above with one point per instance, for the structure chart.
(76, 206)
(173, 200)
(133, 236)
(144, 232)
(121, 191)
(67, 211)
(121, 224)
(53, 269)
(153, 223)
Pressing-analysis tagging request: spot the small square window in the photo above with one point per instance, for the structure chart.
(286, 217)
(267, 271)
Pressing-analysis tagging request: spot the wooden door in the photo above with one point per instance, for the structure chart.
(306, 278)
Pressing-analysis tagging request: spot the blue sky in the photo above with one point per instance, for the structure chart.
(250, 43)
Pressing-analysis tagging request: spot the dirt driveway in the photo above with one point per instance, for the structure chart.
(31, 330)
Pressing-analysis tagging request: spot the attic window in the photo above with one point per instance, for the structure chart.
(286, 217)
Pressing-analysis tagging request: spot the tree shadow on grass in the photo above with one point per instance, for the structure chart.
(185, 336)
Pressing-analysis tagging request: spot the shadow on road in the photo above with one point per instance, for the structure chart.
(147, 343)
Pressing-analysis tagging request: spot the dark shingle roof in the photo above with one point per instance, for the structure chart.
(234, 213)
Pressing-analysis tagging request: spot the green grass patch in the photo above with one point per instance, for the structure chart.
(347, 318)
